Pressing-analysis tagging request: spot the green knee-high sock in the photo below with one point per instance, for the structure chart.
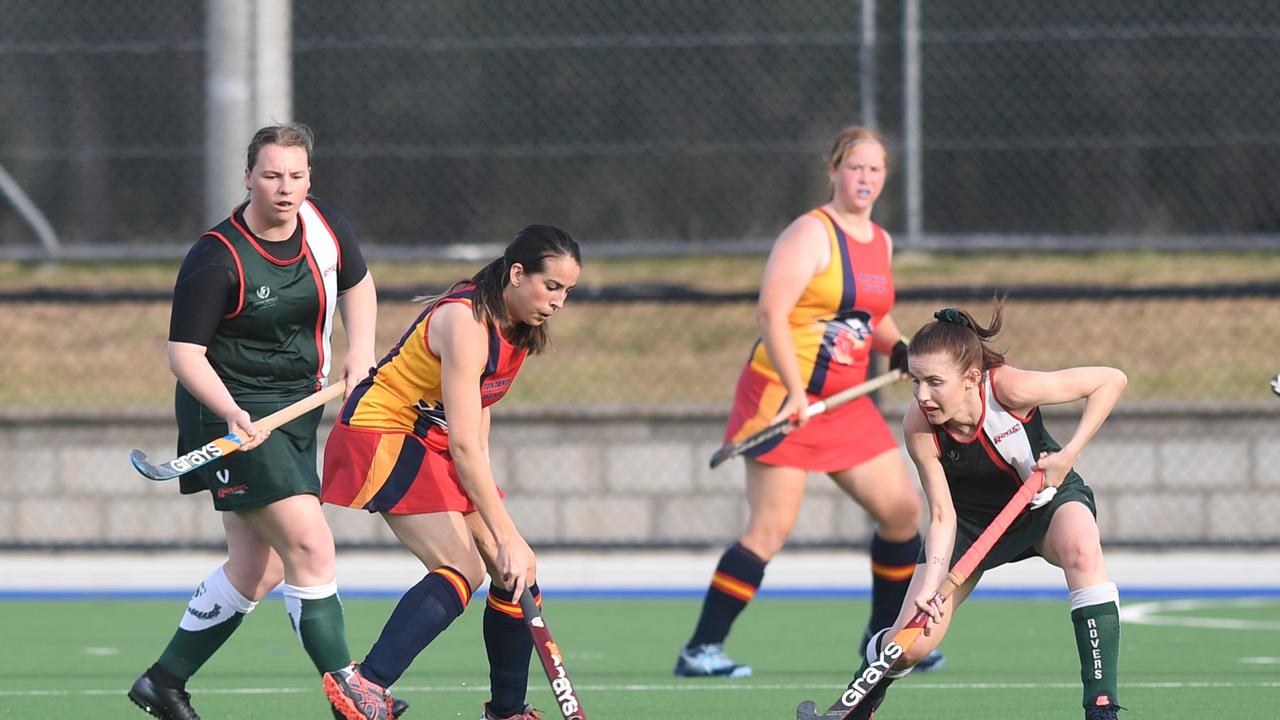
(316, 614)
(1097, 631)
(188, 650)
(215, 610)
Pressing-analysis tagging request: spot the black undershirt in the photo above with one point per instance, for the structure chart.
(208, 285)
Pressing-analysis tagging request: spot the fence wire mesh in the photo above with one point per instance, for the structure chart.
(660, 122)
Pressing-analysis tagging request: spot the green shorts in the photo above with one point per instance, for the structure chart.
(283, 466)
(1018, 542)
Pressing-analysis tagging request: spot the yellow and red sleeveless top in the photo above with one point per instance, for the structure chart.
(833, 321)
(403, 393)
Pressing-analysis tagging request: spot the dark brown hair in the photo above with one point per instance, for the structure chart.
(287, 135)
(532, 247)
(955, 333)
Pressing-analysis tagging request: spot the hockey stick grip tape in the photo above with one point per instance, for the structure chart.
(965, 566)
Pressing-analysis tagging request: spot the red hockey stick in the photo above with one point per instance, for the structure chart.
(901, 642)
(552, 661)
(231, 442)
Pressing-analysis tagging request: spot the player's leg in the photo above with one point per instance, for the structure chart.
(296, 529)
(442, 541)
(774, 496)
(507, 641)
(212, 614)
(882, 487)
(1073, 544)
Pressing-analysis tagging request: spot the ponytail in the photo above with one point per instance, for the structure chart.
(955, 333)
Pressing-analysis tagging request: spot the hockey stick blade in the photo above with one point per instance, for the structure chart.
(808, 710)
(895, 648)
(231, 442)
(733, 450)
(552, 661)
(188, 462)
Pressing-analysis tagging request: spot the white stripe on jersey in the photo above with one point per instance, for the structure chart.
(1007, 433)
(324, 248)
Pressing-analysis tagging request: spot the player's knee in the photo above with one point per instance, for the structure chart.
(1081, 555)
(900, 521)
(254, 580)
(317, 558)
(765, 542)
(269, 581)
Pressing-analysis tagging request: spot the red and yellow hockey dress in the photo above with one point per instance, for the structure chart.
(389, 450)
(832, 326)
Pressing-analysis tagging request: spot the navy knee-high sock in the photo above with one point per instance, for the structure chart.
(422, 613)
(733, 585)
(509, 646)
(892, 564)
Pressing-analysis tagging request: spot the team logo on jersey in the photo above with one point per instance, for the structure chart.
(953, 455)
(433, 415)
(264, 292)
(224, 476)
(847, 335)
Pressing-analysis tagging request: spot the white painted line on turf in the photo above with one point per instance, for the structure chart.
(689, 687)
(1260, 661)
(1150, 613)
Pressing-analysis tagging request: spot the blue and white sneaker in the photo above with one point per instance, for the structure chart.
(708, 661)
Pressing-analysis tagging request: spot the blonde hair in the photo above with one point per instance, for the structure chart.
(854, 135)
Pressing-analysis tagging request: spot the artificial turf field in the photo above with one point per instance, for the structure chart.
(1006, 658)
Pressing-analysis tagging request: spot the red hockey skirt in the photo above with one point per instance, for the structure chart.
(836, 440)
(393, 472)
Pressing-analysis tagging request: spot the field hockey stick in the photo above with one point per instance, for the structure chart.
(231, 442)
(1275, 384)
(733, 450)
(552, 660)
(862, 685)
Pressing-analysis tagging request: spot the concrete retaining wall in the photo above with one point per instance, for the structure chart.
(1184, 475)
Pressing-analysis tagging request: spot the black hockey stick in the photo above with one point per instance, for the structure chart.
(733, 450)
(893, 650)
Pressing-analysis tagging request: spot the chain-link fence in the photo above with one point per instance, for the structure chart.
(656, 123)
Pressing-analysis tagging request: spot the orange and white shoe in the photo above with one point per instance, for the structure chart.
(356, 697)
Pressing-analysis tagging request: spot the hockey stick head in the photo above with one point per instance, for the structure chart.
(151, 472)
(185, 463)
(1275, 384)
(733, 450)
(808, 710)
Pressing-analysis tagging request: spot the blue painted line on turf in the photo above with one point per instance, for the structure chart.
(1013, 593)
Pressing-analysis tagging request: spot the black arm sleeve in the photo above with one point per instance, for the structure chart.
(353, 267)
(207, 288)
